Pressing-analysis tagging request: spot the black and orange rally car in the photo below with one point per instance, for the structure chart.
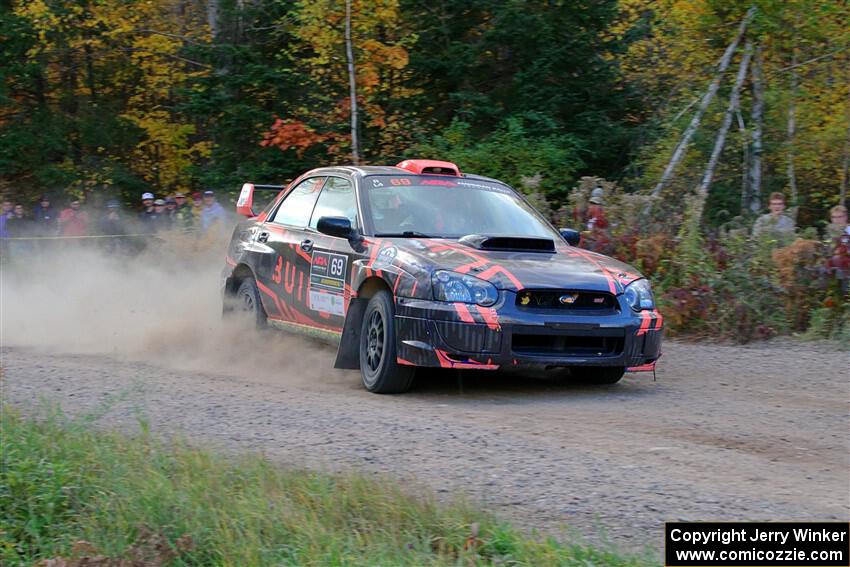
(422, 265)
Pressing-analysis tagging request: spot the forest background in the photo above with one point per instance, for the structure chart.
(112, 98)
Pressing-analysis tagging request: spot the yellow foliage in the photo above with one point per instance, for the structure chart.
(119, 37)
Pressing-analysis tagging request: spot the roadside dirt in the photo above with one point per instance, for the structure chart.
(726, 433)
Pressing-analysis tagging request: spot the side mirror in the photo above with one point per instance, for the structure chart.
(245, 202)
(336, 226)
(573, 237)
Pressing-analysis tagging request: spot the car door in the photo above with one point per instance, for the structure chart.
(332, 257)
(286, 269)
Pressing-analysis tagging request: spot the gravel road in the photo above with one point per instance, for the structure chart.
(726, 433)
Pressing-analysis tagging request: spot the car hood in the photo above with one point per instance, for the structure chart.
(567, 267)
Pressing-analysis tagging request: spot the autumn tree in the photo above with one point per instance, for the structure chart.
(788, 119)
(98, 86)
(380, 44)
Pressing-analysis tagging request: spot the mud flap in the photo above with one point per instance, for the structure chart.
(348, 352)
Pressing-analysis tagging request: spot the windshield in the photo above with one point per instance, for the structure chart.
(448, 207)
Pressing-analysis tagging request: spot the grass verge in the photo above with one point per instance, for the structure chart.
(93, 498)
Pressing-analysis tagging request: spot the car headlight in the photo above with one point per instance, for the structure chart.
(455, 287)
(638, 295)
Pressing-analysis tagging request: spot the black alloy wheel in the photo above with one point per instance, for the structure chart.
(379, 368)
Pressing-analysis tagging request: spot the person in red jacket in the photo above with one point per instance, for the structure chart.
(73, 221)
(595, 235)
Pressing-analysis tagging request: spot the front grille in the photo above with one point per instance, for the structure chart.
(567, 345)
(566, 300)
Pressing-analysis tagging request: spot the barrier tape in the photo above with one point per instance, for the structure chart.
(144, 235)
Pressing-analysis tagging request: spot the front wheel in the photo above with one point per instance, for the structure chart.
(379, 370)
(598, 374)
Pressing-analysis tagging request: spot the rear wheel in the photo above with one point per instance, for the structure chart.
(379, 370)
(247, 303)
(599, 374)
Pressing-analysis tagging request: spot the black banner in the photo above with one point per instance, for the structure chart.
(757, 544)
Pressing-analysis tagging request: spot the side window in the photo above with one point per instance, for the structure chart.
(336, 200)
(296, 207)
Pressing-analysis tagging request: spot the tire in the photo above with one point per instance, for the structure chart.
(247, 303)
(380, 372)
(599, 374)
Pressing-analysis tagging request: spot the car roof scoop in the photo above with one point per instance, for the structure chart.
(508, 243)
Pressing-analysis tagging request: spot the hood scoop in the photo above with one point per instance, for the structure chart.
(508, 243)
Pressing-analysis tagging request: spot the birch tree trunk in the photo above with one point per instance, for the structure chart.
(757, 121)
(842, 199)
(792, 131)
(679, 152)
(352, 86)
(212, 17)
(745, 160)
(720, 140)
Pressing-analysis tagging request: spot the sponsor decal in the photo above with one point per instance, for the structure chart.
(325, 302)
(386, 256)
(243, 195)
(496, 188)
(441, 182)
(327, 282)
(377, 182)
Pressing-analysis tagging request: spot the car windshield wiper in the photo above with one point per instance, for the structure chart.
(405, 234)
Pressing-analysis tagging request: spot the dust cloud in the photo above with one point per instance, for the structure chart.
(161, 306)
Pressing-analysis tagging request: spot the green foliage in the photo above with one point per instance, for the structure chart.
(511, 154)
(62, 482)
(830, 323)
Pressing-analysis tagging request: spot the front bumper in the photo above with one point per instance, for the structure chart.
(453, 335)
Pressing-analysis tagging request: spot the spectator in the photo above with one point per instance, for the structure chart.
(18, 225)
(837, 222)
(595, 211)
(838, 247)
(45, 217)
(161, 220)
(111, 223)
(212, 213)
(147, 206)
(595, 235)
(73, 221)
(197, 204)
(147, 216)
(170, 208)
(775, 224)
(184, 217)
(5, 213)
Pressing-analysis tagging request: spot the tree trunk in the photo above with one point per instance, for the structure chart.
(679, 152)
(792, 131)
(720, 141)
(212, 17)
(842, 199)
(757, 121)
(349, 51)
(90, 73)
(745, 160)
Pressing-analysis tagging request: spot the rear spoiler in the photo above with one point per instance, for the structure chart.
(245, 202)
